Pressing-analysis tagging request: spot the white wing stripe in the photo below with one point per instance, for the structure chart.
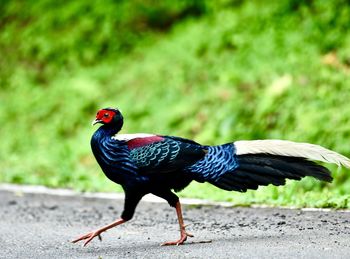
(127, 137)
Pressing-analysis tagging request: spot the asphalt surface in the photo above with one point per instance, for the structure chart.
(41, 226)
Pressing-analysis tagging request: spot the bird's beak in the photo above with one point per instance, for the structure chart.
(95, 122)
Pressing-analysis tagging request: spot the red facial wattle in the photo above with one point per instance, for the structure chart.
(104, 116)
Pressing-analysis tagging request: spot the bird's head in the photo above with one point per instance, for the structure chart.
(110, 117)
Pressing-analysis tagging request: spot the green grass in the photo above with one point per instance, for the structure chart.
(214, 72)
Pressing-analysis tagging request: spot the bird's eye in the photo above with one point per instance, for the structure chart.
(106, 115)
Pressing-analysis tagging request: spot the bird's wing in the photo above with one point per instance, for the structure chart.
(163, 154)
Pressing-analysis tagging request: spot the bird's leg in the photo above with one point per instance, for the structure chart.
(183, 233)
(131, 200)
(89, 236)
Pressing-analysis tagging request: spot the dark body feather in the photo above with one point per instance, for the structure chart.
(156, 167)
(145, 163)
(159, 164)
(162, 161)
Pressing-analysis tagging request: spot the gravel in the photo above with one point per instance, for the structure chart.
(41, 226)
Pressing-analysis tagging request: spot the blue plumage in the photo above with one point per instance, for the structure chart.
(218, 161)
(114, 159)
(155, 154)
(156, 164)
(152, 163)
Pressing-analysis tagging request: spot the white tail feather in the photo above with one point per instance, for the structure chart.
(289, 148)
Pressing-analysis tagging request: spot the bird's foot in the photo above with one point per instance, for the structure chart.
(182, 239)
(88, 237)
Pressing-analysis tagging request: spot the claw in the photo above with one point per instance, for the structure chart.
(88, 237)
(181, 241)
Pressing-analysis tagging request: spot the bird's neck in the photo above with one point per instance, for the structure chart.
(110, 154)
(101, 134)
(108, 130)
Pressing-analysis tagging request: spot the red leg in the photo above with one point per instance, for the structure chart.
(89, 236)
(183, 233)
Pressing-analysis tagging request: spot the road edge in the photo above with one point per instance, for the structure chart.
(39, 189)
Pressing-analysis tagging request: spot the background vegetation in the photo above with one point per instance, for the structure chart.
(214, 71)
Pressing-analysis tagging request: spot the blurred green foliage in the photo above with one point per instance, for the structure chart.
(214, 71)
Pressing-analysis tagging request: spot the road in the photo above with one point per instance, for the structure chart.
(41, 226)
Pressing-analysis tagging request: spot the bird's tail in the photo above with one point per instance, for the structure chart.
(263, 162)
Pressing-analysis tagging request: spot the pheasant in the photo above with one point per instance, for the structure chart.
(157, 164)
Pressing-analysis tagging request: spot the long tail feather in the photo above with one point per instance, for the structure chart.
(291, 149)
(262, 169)
(263, 162)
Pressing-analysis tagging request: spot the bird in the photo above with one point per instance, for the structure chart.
(161, 165)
